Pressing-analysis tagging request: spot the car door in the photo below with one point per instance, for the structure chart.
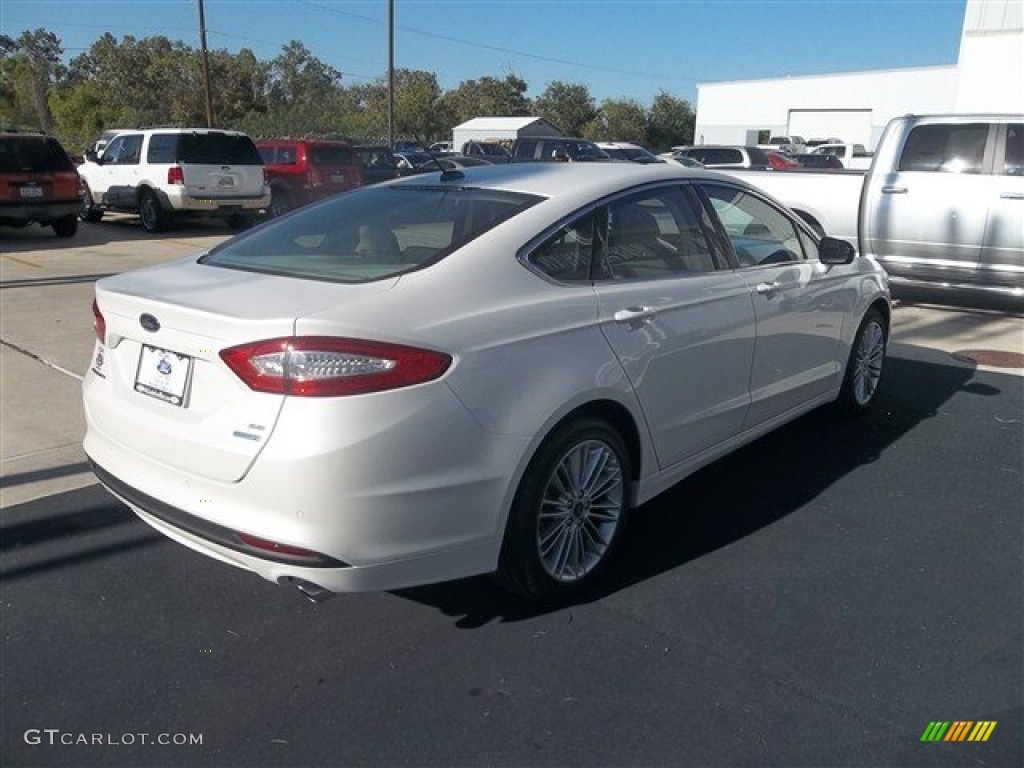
(929, 219)
(121, 170)
(681, 325)
(800, 303)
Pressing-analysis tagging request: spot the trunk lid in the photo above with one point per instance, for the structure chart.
(164, 391)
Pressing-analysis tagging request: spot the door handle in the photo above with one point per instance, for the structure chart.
(765, 288)
(894, 190)
(1012, 196)
(632, 314)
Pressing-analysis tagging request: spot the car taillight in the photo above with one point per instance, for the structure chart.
(329, 366)
(175, 175)
(99, 324)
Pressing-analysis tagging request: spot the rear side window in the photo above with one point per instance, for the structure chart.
(375, 233)
(328, 155)
(526, 148)
(217, 148)
(1013, 156)
(38, 155)
(958, 148)
(162, 148)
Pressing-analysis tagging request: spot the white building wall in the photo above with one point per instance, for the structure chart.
(992, 57)
(732, 113)
(988, 77)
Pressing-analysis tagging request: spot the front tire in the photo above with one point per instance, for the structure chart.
(89, 211)
(864, 368)
(568, 513)
(151, 215)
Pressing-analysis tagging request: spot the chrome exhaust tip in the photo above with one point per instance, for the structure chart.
(312, 592)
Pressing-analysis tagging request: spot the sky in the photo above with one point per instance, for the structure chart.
(630, 49)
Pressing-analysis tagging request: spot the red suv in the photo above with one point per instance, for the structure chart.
(38, 183)
(302, 171)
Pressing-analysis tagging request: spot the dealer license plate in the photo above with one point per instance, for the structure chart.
(163, 374)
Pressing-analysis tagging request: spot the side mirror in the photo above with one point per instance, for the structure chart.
(90, 155)
(832, 250)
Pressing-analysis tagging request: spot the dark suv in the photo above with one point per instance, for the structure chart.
(379, 163)
(302, 171)
(556, 149)
(38, 183)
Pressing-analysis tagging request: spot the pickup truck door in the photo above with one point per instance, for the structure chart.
(1002, 252)
(795, 362)
(926, 219)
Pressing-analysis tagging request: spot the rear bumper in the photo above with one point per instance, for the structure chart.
(40, 212)
(179, 200)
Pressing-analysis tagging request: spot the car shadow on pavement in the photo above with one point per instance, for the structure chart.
(742, 493)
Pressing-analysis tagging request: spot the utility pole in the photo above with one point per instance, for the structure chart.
(391, 73)
(206, 66)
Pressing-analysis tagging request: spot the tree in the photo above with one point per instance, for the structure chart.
(670, 123)
(31, 64)
(569, 106)
(619, 120)
(419, 112)
(488, 97)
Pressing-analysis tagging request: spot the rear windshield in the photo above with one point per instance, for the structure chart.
(328, 155)
(372, 233)
(38, 155)
(211, 148)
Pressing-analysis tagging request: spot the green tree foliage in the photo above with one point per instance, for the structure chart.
(568, 106)
(135, 82)
(488, 97)
(619, 120)
(30, 66)
(671, 122)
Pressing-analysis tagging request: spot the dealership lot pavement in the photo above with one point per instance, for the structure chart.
(817, 599)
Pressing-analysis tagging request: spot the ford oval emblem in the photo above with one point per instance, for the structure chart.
(149, 323)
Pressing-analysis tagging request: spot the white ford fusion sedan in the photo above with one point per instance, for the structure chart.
(480, 371)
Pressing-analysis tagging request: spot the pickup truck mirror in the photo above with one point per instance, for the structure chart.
(90, 155)
(832, 250)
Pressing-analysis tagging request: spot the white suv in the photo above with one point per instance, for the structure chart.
(165, 172)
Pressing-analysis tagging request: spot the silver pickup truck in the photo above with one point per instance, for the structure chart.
(942, 204)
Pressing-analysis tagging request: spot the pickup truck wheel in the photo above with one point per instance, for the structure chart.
(66, 227)
(864, 369)
(89, 212)
(568, 513)
(151, 215)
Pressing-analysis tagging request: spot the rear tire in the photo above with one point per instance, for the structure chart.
(65, 227)
(864, 368)
(151, 215)
(280, 202)
(568, 514)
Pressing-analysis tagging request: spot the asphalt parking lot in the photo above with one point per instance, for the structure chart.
(817, 599)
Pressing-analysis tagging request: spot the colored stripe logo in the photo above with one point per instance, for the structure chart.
(958, 730)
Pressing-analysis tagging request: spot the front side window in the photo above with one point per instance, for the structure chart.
(760, 233)
(958, 148)
(372, 234)
(123, 150)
